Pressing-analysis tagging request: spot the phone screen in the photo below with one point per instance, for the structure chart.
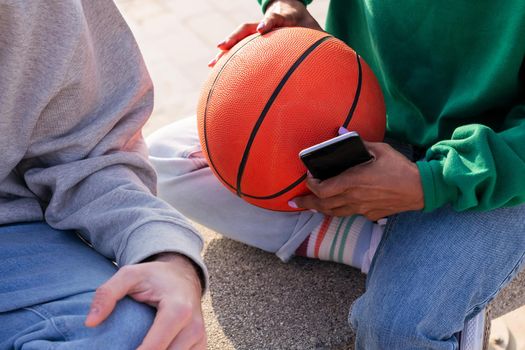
(331, 159)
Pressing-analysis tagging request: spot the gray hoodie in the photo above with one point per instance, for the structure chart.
(74, 94)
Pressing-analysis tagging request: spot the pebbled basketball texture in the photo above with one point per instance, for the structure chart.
(273, 95)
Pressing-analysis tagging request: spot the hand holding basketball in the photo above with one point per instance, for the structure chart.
(275, 94)
(287, 13)
(389, 185)
(280, 13)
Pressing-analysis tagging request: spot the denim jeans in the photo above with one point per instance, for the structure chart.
(48, 278)
(431, 272)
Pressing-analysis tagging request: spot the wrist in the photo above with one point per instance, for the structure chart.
(183, 264)
(437, 191)
(418, 194)
(267, 4)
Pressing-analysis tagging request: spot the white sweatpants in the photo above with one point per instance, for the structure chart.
(187, 183)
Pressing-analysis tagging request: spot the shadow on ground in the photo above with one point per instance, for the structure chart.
(256, 302)
(262, 303)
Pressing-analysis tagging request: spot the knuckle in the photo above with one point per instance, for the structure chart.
(330, 212)
(275, 19)
(198, 329)
(360, 209)
(386, 146)
(348, 182)
(102, 294)
(311, 23)
(185, 310)
(338, 212)
(103, 291)
(181, 312)
(322, 192)
(129, 271)
(276, 16)
(313, 189)
(383, 147)
(324, 206)
(351, 196)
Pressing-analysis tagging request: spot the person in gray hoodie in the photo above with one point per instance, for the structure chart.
(81, 231)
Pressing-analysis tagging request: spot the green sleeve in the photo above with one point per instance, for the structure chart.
(264, 3)
(478, 168)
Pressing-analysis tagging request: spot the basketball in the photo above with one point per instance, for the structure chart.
(275, 94)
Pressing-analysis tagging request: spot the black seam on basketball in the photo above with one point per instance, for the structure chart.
(206, 109)
(267, 107)
(357, 93)
(280, 193)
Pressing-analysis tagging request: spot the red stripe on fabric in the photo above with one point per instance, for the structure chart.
(321, 234)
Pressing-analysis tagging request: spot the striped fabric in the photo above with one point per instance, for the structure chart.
(339, 239)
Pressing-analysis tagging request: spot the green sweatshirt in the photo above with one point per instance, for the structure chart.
(453, 77)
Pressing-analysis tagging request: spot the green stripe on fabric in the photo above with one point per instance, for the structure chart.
(345, 236)
(334, 242)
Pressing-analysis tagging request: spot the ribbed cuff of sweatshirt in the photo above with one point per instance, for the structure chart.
(435, 189)
(164, 237)
(264, 3)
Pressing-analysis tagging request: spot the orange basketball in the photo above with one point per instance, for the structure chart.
(273, 95)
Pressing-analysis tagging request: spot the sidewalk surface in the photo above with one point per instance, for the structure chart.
(255, 301)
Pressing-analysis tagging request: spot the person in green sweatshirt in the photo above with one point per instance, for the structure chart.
(437, 220)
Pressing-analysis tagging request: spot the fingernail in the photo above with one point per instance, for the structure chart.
(342, 130)
(221, 43)
(260, 26)
(292, 204)
(314, 211)
(212, 62)
(309, 174)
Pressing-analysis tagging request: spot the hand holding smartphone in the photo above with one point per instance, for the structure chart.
(330, 158)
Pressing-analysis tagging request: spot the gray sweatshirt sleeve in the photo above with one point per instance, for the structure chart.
(77, 95)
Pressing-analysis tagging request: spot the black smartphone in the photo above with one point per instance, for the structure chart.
(332, 157)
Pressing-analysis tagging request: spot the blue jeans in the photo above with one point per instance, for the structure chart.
(431, 272)
(48, 278)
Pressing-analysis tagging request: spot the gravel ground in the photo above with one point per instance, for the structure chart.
(257, 302)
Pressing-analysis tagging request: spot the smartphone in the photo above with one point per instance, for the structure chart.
(332, 157)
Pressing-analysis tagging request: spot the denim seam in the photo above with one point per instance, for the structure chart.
(46, 316)
(391, 221)
(509, 276)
